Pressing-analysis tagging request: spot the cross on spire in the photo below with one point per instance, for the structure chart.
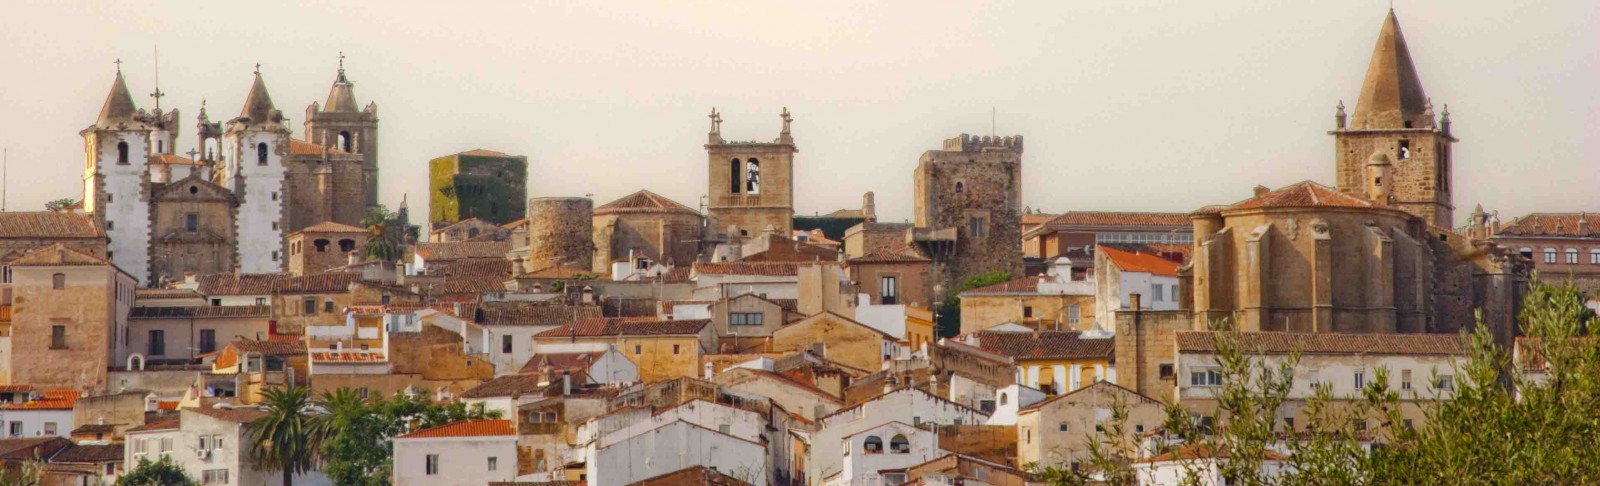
(341, 61)
(118, 62)
(192, 153)
(258, 69)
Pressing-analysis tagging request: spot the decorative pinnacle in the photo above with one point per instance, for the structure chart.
(1341, 107)
(716, 120)
(341, 61)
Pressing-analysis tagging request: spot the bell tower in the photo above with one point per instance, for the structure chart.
(116, 177)
(340, 125)
(255, 144)
(1394, 116)
(750, 186)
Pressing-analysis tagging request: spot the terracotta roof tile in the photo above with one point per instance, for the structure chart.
(167, 424)
(350, 356)
(494, 268)
(201, 312)
(506, 386)
(332, 227)
(1105, 218)
(48, 224)
(302, 147)
(465, 428)
(170, 159)
(1140, 262)
(643, 201)
(237, 284)
(1045, 345)
(562, 361)
(884, 255)
(693, 475)
(239, 414)
(1024, 285)
(557, 271)
(31, 448)
(622, 326)
(1303, 194)
(165, 294)
(56, 255)
(457, 250)
(1554, 224)
(89, 454)
(533, 314)
(269, 347)
(317, 283)
(1329, 343)
(770, 269)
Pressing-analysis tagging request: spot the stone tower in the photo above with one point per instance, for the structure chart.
(339, 125)
(255, 144)
(968, 208)
(116, 179)
(1394, 116)
(750, 185)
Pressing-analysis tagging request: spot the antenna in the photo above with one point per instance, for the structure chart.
(158, 94)
(5, 165)
(993, 116)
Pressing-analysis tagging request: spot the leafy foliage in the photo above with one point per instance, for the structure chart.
(59, 205)
(163, 472)
(949, 317)
(358, 448)
(288, 439)
(382, 244)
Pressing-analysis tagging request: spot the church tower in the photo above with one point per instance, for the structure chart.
(339, 125)
(1394, 116)
(255, 144)
(751, 184)
(116, 178)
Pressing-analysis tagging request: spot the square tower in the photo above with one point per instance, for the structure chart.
(750, 185)
(255, 144)
(116, 178)
(968, 208)
(1394, 117)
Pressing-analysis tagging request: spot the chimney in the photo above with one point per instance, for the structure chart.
(1583, 223)
(566, 383)
(1262, 190)
(188, 277)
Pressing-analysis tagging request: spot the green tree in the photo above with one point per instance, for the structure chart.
(949, 311)
(359, 450)
(160, 473)
(382, 244)
(289, 438)
(59, 205)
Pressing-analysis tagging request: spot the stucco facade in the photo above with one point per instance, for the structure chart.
(1057, 432)
(69, 313)
(838, 338)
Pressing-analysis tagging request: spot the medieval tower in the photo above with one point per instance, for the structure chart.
(1394, 117)
(968, 208)
(340, 125)
(255, 145)
(750, 186)
(116, 179)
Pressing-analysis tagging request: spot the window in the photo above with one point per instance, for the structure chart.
(724, 429)
(1061, 427)
(1572, 256)
(1027, 311)
(347, 245)
(111, 225)
(310, 307)
(1361, 379)
(191, 222)
(753, 180)
(122, 153)
(320, 244)
(1405, 379)
(1594, 257)
(345, 144)
(158, 342)
(58, 281)
(638, 350)
(108, 197)
(505, 344)
(16, 428)
(1074, 314)
(735, 179)
(208, 340)
(214, 476)
(1445, 382)
(261, 153)
(1405, 149)
(274, 256)
(1139, 429)
(49, 428)
(138, 445)
(1549, 255)
(1205, 377)
(873, 445)
(1166, 371)
(205, 442)
(494, 463)
(1002, 399)
(216, 441)
(1155, 291)
(259, 301)
(889, 287)
(746, 319)
(432, 464)
(960, 186)
(327, 306)
(986, 406)
(899, 445)
(166, 444)
(1288, 423)
(674, 349)
(1174, 293)
(975, 227)
(58, 337)
(274, 195)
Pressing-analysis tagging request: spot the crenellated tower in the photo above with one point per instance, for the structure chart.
(1394, 116)
(255, 144)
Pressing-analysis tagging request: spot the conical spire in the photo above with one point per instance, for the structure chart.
(119, 104)
(258, 105)
(1391, 96)
(342, 97)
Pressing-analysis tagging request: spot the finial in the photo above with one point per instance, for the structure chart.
(258, 69)
(786, 119)
(192, 153)
(118, 62)
(1341, 107)
(341, 61)
(716, 120)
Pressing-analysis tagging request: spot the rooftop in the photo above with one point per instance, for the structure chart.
(1327, 343)
(1140, 262)
(1045, 345)
(643, 201)
(465, 428)
(1566, 225)
(623, 326)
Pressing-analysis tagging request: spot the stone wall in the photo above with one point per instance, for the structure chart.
(487, 187)
(1416, 184)
(732, 204)
(85, 308)
(661, 237)
(560, 232)
(210, 248)
(1145, 341)
(973, 185)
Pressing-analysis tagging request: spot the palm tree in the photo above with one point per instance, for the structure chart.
(289, 437)
(382, 244)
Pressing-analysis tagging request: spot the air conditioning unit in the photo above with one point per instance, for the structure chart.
(205, 454)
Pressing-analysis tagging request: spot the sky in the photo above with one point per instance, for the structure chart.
(1128, 105)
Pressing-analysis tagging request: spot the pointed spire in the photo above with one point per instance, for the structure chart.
(1391, 95)
(258, 105)
(119, 104)
(342, 97)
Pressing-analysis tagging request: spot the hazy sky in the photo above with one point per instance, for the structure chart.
(1125, 105)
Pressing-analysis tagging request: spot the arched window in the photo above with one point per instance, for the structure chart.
(321, 244)
(472, 232)
(347, 245)
(345, 142)
(1594, 257)
(261, 153)
(960, 187)
(58, 281)
(899, 445)
(1572, 256)
(753, 180)
(735, 175)
(1002, 398)
(122, 153)
(1549, 255)
(873, 445)
(1527, 253)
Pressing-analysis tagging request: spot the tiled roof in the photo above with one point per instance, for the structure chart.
(770, 269)
(201, 312)
(643, 201)
(693, 475)
(167, 424)
(30, 448)
(268, 348)
(1029, 219)
(533, 314)
(1303, 194)
(1165, 250)
(1328, 343)
(558, 272)
(94, 428)
(1554, 224)
(562, 361)
(457, 250)
(302, 147)
(1097, 387)
(237, 284)
(884, 255)
(332, 227)
(1024, 285)
(623, 326)
(492, 268)
(56, 255)
(47, 224)
(676, 274)
(483, 153)
(50, 400)
(165, 294)
(89, 454)
(1045, 345)
(350, 356)
(317, 283)
(1140, 262)
(170, 159)
(1105, 218)
(465, 428)
(239, 414)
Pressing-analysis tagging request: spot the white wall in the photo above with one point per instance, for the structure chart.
(672, 447)
(521, 347)
(33, 422)
(463, 461)
(906, 405)
(970, 392)
(1009, 401)
(232, 455)
(129, 209)
(861, 468)
(739, 423)
(889, 319)
(258, 209)
(1339, 370)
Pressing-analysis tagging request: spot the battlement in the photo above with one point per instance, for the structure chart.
(970, 143)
